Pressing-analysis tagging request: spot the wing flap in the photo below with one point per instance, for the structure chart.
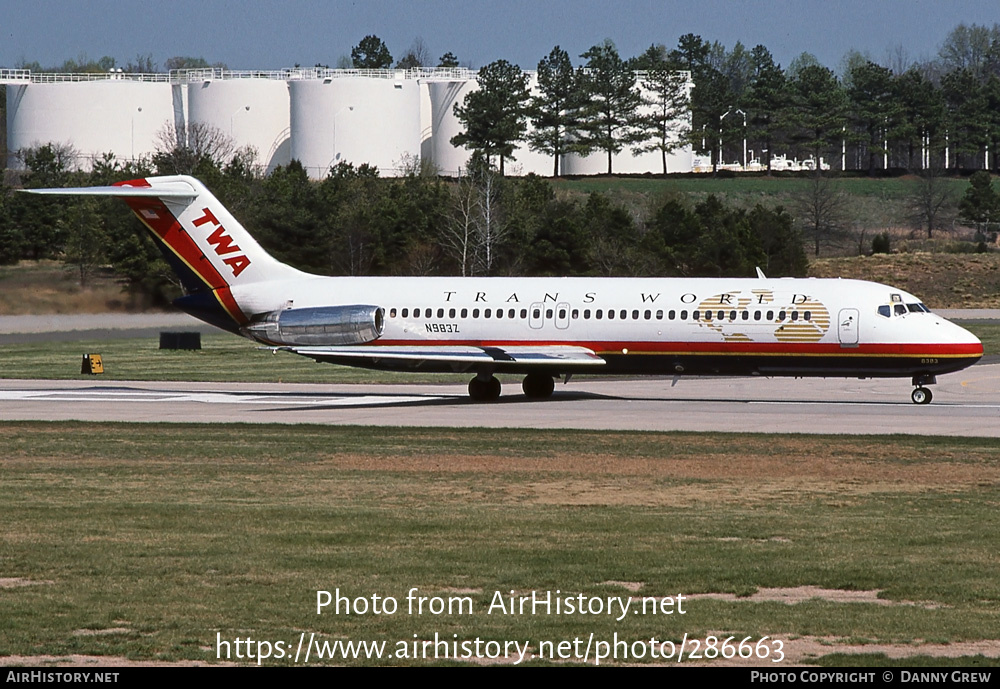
(416, 355)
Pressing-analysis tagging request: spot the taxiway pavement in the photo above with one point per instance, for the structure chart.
(965, 404)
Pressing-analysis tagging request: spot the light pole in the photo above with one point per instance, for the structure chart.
(232, 118)
(139, 109)
(729, 112)
(340, 112)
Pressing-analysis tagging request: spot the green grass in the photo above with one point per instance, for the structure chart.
(761, 187)
(227, 358)
(146, 541)
(222, 358)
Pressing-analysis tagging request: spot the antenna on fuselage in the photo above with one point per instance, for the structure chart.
(760, 274)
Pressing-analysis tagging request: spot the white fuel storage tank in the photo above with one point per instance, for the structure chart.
(371, 117)
(121, 116)
(251, 111)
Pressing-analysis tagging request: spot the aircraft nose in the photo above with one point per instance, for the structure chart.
(966, 339)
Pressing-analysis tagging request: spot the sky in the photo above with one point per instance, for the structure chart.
(259, 34)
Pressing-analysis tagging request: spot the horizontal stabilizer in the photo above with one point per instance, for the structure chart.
(173, 190)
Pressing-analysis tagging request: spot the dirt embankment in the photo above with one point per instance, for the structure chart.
(942, 281)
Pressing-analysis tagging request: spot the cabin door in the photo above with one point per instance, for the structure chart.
(536, 315)
(562, 315)
(847, 327)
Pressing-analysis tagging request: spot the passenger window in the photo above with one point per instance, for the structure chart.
(598, 314)
(696, 315)
(524, 313)
(475, 313)
(756, 315)
(586, 314)
(548, 313)
(635, 314)
(684, 315)
(807, 315)
(624, 314)
(611, 314)
(536, 313)
(499, 313)
(708, 315)
(659, 315)
(405, 312)
(770, 315)
(392, 312)
(732, 315)
(721, 315)
(451, 313)
(576, 314)
(465, 313)
(795, 316)
(562, 314)
(487, 313)
(440, 313)
(428, 313)
(670, 314)
(746, 315)
(781, 315)
(647, 315)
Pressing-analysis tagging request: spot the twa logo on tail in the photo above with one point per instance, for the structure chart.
(222, 243)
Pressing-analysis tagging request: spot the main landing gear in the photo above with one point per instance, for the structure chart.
(538, 386)
(920, 394)
(486, 388)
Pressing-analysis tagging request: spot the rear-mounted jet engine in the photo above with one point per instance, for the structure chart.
(325, 325)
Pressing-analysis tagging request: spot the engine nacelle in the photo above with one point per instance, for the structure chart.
(318, 326)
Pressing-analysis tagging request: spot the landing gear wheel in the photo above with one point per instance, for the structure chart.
(484, 390)
(538, 386)
(921, 396)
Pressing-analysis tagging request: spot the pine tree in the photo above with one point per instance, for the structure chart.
(666, 124)
(608, 120)
(371, 53)
(553, 110)
(494, 117)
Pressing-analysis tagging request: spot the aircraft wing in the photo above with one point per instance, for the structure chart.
(459, 357)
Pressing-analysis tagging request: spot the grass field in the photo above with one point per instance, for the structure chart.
(222, 358)
(227, 358)
(152, 542)
(757, 186)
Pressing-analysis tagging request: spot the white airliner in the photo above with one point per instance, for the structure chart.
(543, 328)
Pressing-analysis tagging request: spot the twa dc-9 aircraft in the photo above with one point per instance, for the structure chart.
(542, 328)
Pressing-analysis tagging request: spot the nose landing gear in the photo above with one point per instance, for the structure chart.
(920, 394)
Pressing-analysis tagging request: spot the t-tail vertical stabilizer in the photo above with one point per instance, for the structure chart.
(207, 247)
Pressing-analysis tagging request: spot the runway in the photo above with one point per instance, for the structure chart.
(965, 404)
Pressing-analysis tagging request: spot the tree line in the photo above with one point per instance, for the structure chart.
(355, 222)
(904, 114)
(940, 113)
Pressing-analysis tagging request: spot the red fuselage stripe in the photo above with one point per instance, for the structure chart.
(721, 348)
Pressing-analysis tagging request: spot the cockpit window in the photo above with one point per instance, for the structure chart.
(884, 311)
(899, 309)
(914, 308)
